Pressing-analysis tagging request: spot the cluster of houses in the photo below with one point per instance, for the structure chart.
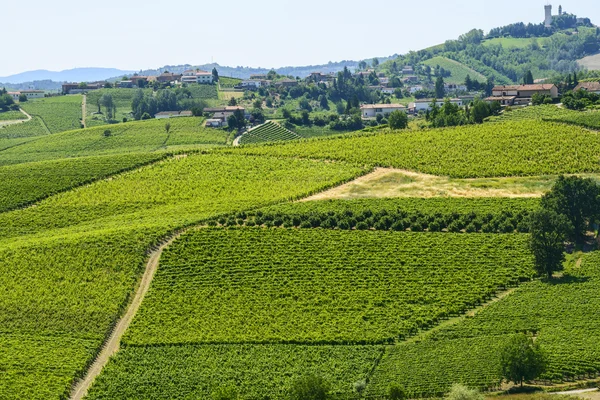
(136, 81)
(221, 114)
(29, 94)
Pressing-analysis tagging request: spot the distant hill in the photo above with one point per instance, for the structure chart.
(70, 75)
(245, 72)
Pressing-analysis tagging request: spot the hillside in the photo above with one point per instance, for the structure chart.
(590, 62)
(458, 71)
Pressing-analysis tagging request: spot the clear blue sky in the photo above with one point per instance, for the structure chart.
(133, 34)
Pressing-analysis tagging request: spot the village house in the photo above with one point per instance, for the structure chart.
(415, 89)
(125, 84)
(410, 79)
(319, 77)
(216, 123)
(372, 110)
(452, 87)
(139, 80)
(592, 87)
(253, 84)
(408, 70)
(521, 94)
(425, 104)
(287, 83)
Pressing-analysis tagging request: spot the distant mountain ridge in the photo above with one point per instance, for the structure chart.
(70, 75)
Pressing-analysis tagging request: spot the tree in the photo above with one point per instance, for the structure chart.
(577, 199)
(6, 101)
(22, 98)
(311, 387)
(548, 231)
(215, 75)
(398, 120)
(237, 120)
(108, 85)
(375, 62)
(167, 127)
(461, 392)
(440, 91)
(528, 78)
(362, 65)
(232, 102)
(522, 359)
(396, 392)
(107, 101)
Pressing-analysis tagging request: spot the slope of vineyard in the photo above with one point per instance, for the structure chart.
(489, 150)
(59, 114)
(132, 137)
(70, 263)
(24, 129)
(563, 314)
(250, 371)
(458, 71)
(268, 132)
(11, 116)
(23, 184)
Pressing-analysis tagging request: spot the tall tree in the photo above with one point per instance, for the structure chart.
(398, 120)
(522, 359)
(548, 231)
(577, 199)
(375, 62)
(215, 75)
(440, 91)
(528, 78)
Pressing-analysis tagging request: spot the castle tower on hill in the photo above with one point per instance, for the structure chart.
(548, 19)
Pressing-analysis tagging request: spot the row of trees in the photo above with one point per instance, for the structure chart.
(450, 114)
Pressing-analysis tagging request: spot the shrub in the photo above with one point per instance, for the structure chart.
(362, 226)
(311, 387)
(396, 392)
(461, 392)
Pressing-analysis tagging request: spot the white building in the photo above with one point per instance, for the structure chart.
(200, 77)
(372, 110)
(415, 89)
(425, 104)
(254, 83)
(30, 94)
(173, 114)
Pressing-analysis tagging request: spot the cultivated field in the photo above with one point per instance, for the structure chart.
(58, 114)
(458, 71)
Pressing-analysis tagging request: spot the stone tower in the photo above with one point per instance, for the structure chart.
(559, 11)
(548, 20)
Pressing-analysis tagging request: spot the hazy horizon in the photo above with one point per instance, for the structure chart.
(134, 35)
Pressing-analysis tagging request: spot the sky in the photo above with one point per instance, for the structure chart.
(135, 35)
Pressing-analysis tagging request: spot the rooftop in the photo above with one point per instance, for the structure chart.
(539, 86)
(371, 106)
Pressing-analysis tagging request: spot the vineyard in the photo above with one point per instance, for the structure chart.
(488, 150)
(24, 184)
(457, 70)
(58, 114)
(562, 314)
(92, 242)
(253, 372)
(268, 132)
(203, 91)
(11, 116)
(132, 137)
(265, 286)
(25, 129)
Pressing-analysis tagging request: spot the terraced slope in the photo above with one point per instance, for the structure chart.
(458, 71)
(268, 132)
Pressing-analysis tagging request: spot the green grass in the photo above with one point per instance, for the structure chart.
(122, 99)
(226, 82)
(132, 137)
(70, 263)
(522, 148)
(510, 43)
(11, 115)
(268, 132)
(254, 372)
(59, 114)
(24, 184)
(561, 313)
(458, 71)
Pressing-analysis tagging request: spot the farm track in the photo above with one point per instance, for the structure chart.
(111, 346)
(17, 121)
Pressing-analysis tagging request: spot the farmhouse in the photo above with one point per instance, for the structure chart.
(138, 80)
(167, 77)
(372, 110)
(592, 87)
(215, 123)
(452, 87)
(254, 83)
(125, 84)
(411, 78)
(287, 83)
(30, 94)
(319, 77)
(172, 114)
(521, 94)
(408, 70)
(425, 104)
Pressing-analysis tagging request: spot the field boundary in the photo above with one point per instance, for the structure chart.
(112, 344)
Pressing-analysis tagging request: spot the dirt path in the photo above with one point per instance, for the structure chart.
(580, 391)
(83, 111)
(112, 344)
(17, 121)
